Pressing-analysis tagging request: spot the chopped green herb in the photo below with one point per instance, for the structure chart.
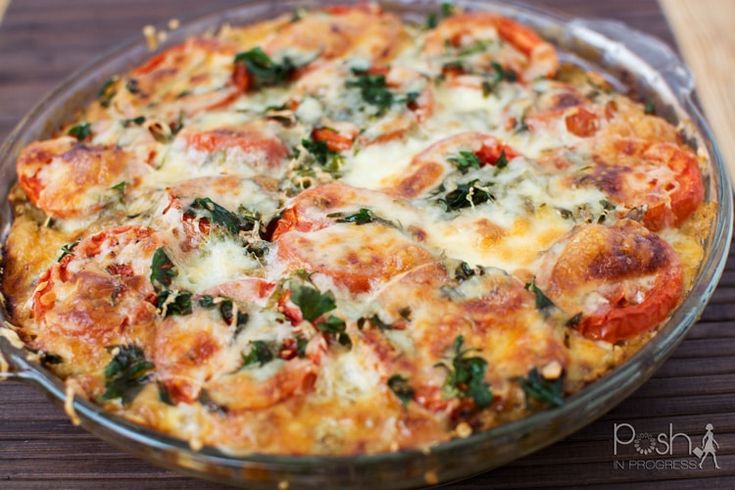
(132, 86)
(227, 309)
(126, 374)
(335, 326)
(163, 395)
(136, 120)
(207, 301)
(405, 313)
(478, 46)
(81, 131)
(465, 195)
(260, 353)
(550, 392)
(107, 92)
(120, 187)
(466, 376)
(565, 213)
(312, 302)
(210, 405)
(542, 301)
(400, 386)
(574, 321)
(67, 249)
(301, 344)
(373, 90)
(502, 160)
(47, 359)
(463, 272)
(374, 321)
(464, 161)
(362, 217)
(178, 304)
(447, 9)
(499, 75)
(330, 160)
(264, 71)
(650, 107)
(219, 215)
(162, 269)
(607, 205)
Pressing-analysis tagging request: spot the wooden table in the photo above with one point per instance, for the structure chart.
(41, 41)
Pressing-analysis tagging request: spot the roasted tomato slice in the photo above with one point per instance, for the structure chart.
(424, 312)
(428, 168)
(245, 149)
(622, 280)
(308, 211)
(193, 351)
(525, 52)
(96, 295)
(660, 181)
(167, 78)
(357, 31)
(373, 255)
(68, 179)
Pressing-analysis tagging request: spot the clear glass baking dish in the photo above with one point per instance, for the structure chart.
(636, 61)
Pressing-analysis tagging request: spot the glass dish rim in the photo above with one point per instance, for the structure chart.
(666, 338)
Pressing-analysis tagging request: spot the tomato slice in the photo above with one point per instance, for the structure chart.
(662, 181)
(308, 211)
(623, 279)
(65, 178)
(530, 55)
(96, 296)
(359, 258)
(494, 314)
(428, 168)
(334, 140)
(255, 148)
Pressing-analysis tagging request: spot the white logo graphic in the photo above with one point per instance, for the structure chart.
(709, 447)
(669, 443)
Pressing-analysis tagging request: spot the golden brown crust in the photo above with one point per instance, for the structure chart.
(363, 236)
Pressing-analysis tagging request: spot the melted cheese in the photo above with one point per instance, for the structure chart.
(377, 243)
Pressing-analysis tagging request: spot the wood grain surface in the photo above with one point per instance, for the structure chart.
(705, 35)
(41, 41)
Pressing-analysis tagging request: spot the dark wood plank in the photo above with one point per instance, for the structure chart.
(41, 41)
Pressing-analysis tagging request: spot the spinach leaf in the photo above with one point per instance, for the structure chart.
(162, 269)
(260, 353)
(81, 131)
(330, 160)
(499, 74)
(312, 302)
(466, 376)
(542, 301)
(179, 304)
(550, 392)
(67, 250)
(126, 374)
(263, 70)
(464, 161)
(107, 92)
(465, 195)
(219, 215)
(373, 90)
(336, 327)
(463, 272)
(400, 386)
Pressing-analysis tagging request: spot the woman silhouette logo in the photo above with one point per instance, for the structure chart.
(709, 447)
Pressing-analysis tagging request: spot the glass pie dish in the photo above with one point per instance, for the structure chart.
(633, 61)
